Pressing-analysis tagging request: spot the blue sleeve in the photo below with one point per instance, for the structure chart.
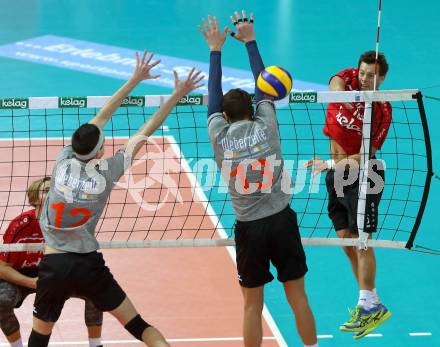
(215, 93)
(257, 65)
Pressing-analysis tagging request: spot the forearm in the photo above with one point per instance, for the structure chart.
(104, 115)
(139, 139)
(160, 115)
(215, 93)
(9, 274)
(255, 60)
(257, 65)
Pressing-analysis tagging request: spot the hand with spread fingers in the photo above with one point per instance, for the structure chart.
(244, 26)
(143, 67)
(187, 85)
(212, 34)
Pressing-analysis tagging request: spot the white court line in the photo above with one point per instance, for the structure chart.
(374, 335)
(122, 342)
(325, 336)
(420, 334)
(214, 219)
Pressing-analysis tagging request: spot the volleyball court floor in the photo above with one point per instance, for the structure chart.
(191, 294)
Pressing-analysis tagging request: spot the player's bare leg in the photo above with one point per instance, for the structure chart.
(305, 322)
(351, 252)
(253, 309)
(126, 312)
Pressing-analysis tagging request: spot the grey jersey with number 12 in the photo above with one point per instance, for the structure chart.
(77, 196)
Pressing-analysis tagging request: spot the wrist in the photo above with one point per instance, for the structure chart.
(331, 164)
(178, 94)
(249, 40)
(133, 81)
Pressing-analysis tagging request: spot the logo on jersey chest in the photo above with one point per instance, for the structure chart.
(346, 123)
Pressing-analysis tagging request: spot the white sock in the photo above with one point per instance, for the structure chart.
(366, 298)
(376, 300)
(315, 345)
(17, 343)
(95, 342)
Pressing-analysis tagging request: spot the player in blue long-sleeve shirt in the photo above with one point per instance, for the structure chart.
(248, 152)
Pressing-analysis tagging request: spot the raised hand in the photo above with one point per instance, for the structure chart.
(244, 26)
(212, 34)
(143, 67)
(187, 85)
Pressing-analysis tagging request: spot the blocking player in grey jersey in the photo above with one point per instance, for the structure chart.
(81, 185)
(248, 151)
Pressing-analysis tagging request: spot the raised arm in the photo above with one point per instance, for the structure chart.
(140, 73)
(181, 88)
(246, 34)
(215, 39)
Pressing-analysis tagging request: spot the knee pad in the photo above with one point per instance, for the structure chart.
(8, 321)
(92, 315)
(136, 327)
(38, 340)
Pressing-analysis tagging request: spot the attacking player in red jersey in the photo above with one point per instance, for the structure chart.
(19, 270)
(343, 125)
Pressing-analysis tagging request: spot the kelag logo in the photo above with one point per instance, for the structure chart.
(14, 103)
(72, 102)
(138, 101)
(191, 100)
(303, 97)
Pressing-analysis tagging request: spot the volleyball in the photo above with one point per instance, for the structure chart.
(274, 81)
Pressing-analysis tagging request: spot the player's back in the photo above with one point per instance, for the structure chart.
(78, 194)
(249, 155)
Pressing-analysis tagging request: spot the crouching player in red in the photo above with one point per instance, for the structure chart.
(19, 270)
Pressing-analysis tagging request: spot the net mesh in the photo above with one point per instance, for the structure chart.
(174, 190)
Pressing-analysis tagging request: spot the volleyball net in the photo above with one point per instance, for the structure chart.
(174, 194)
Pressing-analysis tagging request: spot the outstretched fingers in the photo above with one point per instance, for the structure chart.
(243, 13)
(149, 58)
(144, 53)
(202, 31)
(205, 24)
(211, 23)
(216, 26)
(197, 78)
(188, 77)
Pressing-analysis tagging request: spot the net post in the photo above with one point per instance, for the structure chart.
(429, 173)
(365, 156)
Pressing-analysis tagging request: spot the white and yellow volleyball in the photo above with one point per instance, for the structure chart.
(275, 81)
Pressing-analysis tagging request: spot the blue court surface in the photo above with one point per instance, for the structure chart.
(312, 40)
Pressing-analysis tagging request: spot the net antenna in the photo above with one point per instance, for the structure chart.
(364, 166)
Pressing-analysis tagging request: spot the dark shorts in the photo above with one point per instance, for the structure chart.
(273, 239)
(343, 210)
(65, 275)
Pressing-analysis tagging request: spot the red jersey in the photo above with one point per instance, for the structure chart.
(345, 126)
(23, 229)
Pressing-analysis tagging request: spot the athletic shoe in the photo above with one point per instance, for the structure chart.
(354, 324)
(376, 316)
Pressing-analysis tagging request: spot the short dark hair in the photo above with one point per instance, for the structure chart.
(85, 138)
(237, 104)
(369, 57)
